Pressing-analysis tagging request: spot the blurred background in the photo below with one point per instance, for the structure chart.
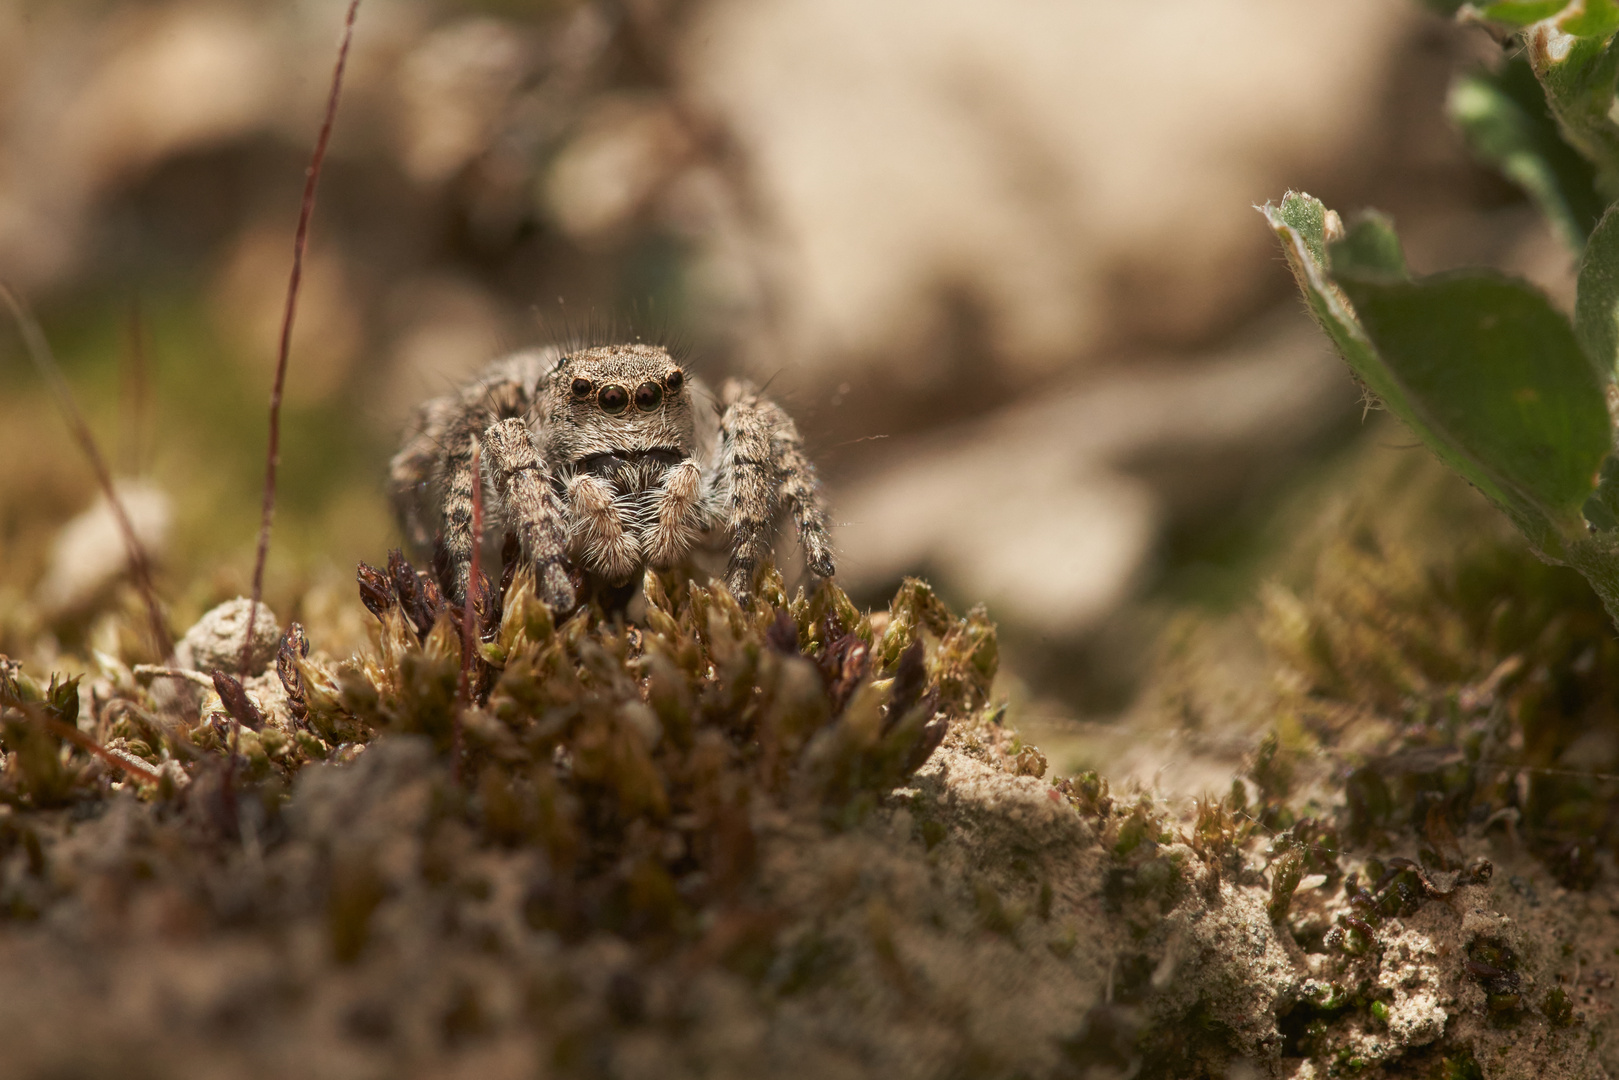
(999, 260)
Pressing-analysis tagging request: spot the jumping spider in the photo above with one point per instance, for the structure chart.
(601, 462)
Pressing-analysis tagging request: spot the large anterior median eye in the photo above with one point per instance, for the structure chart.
(648, 396)
(613, 399)
(581, 388)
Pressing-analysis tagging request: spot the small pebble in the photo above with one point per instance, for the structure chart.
(215, 642)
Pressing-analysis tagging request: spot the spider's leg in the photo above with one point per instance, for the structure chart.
(410, 476)
(597, 538)
(744, 490)
(457, 482)
(803, 494)
(761, 462)
(678, 515)
(533, 509)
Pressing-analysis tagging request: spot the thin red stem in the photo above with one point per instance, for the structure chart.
(140, 564)
(90, 746)
(299, 244)
(471, 631)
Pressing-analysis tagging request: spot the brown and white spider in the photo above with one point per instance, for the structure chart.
(606, 460)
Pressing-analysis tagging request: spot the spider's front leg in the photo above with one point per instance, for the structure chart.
(760, 464)
(458, 482)
(532, 509)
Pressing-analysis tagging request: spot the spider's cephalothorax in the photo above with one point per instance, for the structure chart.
(604, 461)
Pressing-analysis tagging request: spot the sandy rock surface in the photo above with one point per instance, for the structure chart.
(1017, 938)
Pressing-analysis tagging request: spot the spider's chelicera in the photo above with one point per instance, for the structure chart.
(604, 461)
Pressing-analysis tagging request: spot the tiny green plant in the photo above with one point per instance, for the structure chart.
(1506, 389)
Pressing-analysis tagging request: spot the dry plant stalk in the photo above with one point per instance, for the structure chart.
(300, 242)
(44, 360)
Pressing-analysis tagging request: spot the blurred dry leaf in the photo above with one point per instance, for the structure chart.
(625, 151)
(249, 299)
(89, 553)
(449, 327)
(453, 88)
(176, 77)
(1050, 509)
(1080, 169)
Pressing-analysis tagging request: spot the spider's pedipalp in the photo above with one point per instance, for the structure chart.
(597, 537)
(677, 516)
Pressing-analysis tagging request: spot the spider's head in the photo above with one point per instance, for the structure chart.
(615, 398)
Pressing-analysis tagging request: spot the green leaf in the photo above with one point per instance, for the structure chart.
(1496, 371)
(1370, 251)
(1480, 367)
(1602, 508)
(1303, 224)
(1597, 557)
(1596, 324)
(1512, 12)
(1574, 58)
(1593, 18)
(1596, 308)
(1506, 121)
(1307, 221)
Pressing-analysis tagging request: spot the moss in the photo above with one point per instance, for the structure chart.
(1286, 872)
(637, 760)
(1428, 712)
(1494, 966)
(38, 773)
(1459, 1066)
(1491, 656)
(995, 913)
(815, 823)
(1558, 1008)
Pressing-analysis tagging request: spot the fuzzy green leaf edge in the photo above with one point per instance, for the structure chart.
(1533, 448)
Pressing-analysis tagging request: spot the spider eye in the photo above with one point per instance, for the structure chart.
(648, 396)
(581, 388)
(613, 399)
(674, 380)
